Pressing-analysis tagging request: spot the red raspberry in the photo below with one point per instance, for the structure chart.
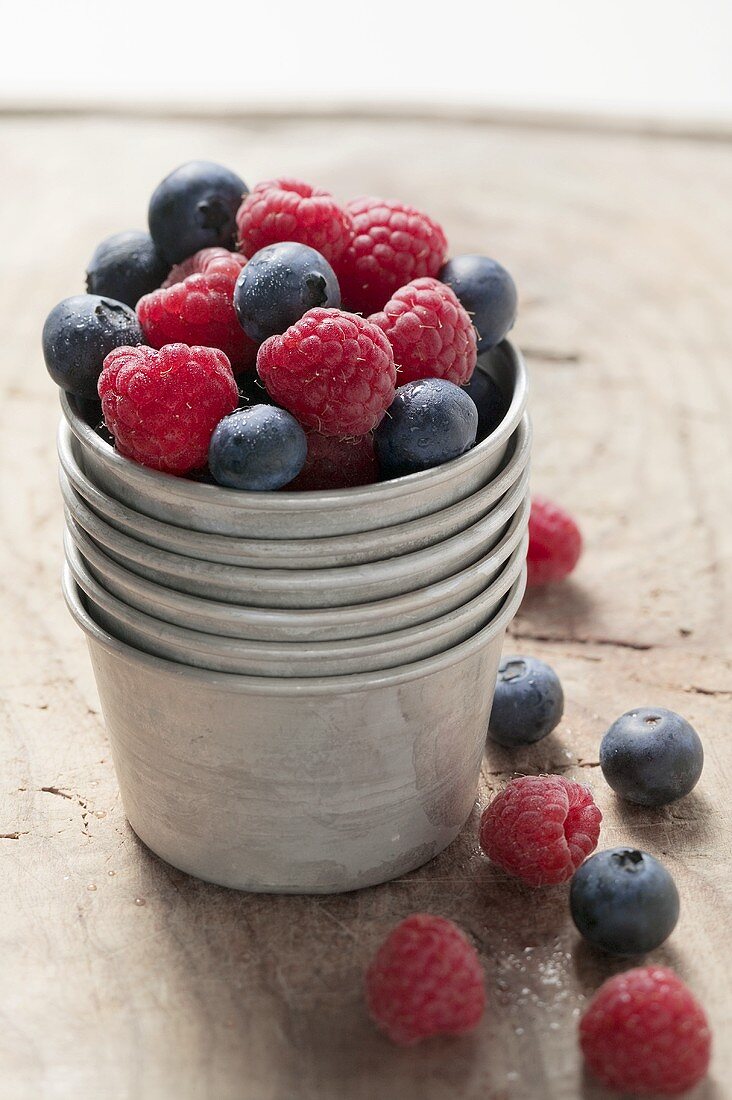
(334, 463)
(426, 979)
(392, 244)
(162, 406)
(290, 210)
(645, 1032)
(540, 828)
(334, 371)
(195, 306)
(208, 261)
(430, 332)
(555, 542)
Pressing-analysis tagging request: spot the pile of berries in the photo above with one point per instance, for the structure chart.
(643, 1031)
(361, 335)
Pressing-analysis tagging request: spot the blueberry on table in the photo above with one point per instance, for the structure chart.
(430, 422)
(261, 448)
(77, 335)
(281, 283)
(489, 401)
(487, 292)
(651, 756)
(193, 208)
(125, 267)
(528, 702)
(624, 901)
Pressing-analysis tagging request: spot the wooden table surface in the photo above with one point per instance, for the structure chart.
(121, 977)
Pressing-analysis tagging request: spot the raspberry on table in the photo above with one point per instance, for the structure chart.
(430, 332)
(426, 979)
(392, 245)
(290, 210)
(645, 1032)
(333, 371)
(555, 542)
(162, 406)
(195, 306)
(334, 463)
(540, 828)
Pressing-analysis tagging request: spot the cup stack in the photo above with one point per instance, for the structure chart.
(297, 685)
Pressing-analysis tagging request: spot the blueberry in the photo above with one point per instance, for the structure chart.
(489, 401)
(528, 703)
(624, 901)
(279, 284)
(79, 332)
(428, 423)
(126, 266)
(259, 448)
(488, 293)
(195, 207)
(651, 756)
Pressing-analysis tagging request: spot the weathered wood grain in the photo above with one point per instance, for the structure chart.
(124, 979)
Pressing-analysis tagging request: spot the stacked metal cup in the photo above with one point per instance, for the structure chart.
(297, 686)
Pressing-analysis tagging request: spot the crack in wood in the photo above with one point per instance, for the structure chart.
(549, 355)
(14, 836)
(616, 643)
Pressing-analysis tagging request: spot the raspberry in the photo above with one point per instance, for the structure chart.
(540, 828)
(392, 244)
(162, 406)
(209, 261)
(426, 979)
(645, 1032)
(195, 306)
(334, 371)
(555, 543)
(337, 463)
(430, 332)
(290, 210)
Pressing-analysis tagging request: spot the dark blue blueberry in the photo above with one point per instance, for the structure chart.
(79, 332)
(195, 207)
(428, 423)
(488, 293)
(126, 266)
(624, 901)
(651, 756)
(279, 284)
(260, 448)
(528, 703)
(489, 401)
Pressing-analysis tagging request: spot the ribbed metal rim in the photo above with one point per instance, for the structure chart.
(225, 682)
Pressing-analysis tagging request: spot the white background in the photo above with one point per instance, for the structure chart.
(670, 58)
